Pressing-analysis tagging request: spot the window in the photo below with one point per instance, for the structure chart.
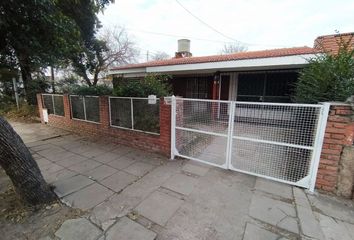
(274, 86)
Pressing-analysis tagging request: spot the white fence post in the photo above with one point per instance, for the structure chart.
(173, 126)
(132, 112)
(232, 106)
(84, 105)
(321, 128)
(53, 104)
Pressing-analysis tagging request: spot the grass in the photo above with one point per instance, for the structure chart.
(25, 113)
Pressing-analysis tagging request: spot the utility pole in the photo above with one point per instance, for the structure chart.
(147, 55)
(16, 93)
(53, 80)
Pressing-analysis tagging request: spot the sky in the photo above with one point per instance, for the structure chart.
(156, 25)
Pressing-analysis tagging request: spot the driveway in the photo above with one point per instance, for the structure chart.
(132, 194)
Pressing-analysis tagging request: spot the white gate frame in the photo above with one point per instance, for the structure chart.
(307, 182)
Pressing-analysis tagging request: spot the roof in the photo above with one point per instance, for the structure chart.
(281, 52)
(330, 43)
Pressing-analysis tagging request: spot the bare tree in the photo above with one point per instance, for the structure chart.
(120, 48)
(229, 48)
(20, 166)
(160, 56)
(113, 47)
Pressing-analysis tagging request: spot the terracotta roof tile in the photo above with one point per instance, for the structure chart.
(331, 43)
(229, 57)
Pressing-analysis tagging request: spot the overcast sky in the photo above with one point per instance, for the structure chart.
(258, 24)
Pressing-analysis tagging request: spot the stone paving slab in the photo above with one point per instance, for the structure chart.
(274, 212)
(66, 186)
(333, 229)
(159, 207)
(126, 229)
(118, 181)
(121, 163)
(100, 172)
(78, 229)
(280, 189)
(333, 207)
(139, 168)
(51, 168)
(61, 174)
(70, 160)
(120, 204)
(195, 169)
(216, 209)
(181, 183)
(62, 156)
(89, 196)
(308, 223)
(84, 166)
(106, 157)
(254, 232)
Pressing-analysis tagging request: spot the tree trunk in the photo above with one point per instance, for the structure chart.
(24, 64)
(22, 169)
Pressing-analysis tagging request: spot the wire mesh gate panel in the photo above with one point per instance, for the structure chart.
(201, 130)
(272, 140)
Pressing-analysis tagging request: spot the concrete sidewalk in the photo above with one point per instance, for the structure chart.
(131, 194)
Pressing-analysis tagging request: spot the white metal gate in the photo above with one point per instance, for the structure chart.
(277, 141)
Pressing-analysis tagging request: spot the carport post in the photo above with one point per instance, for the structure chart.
(173, 126)
(321, 128)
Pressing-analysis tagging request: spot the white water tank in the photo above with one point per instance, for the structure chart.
(184, 45)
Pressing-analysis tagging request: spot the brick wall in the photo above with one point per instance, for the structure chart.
(150, 142)
(339, 134)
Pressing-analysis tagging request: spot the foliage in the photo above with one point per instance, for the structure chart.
(42, 33)
(97, 90)
(151, 85)
(232, 48)
(25, 112)
(328, 77)
(34, 34)
(67, 84)
(39, 84)
(160, 56)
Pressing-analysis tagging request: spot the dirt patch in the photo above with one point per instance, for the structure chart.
(21, 222)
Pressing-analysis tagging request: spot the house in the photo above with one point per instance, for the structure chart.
(257, 76)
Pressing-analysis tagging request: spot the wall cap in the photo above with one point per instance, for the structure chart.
(338, 103)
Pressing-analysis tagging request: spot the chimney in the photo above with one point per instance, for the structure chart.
(183, 48)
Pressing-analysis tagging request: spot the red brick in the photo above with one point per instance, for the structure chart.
(338, 136)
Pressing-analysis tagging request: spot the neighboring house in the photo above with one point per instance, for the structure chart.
(266, 75)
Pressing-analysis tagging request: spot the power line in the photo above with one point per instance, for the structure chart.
(177, 36)
(206, 24)
(220, 33)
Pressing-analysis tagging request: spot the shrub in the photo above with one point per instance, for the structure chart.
(151, 85)
(26, 112)
(97, 90)
(39, 84)
(328, 77)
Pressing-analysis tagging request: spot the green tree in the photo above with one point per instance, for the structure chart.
(34, 34)
(40, 33)
(90, 57)
(328, 77)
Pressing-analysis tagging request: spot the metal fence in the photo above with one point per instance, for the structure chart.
(139, 114)
(54, 103)
(85, 108)
(272, 140)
